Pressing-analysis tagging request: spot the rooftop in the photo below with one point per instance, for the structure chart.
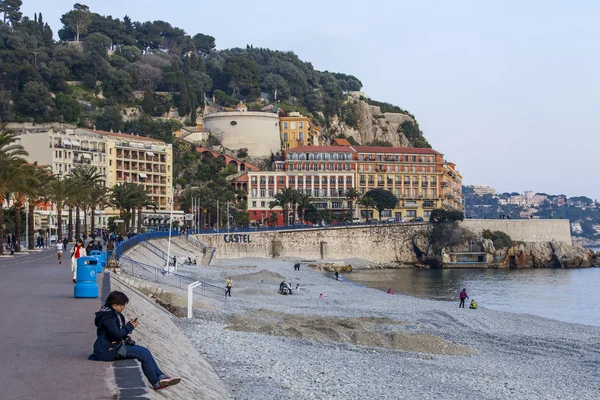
(124, 135)
(321, 149)
(399, 150)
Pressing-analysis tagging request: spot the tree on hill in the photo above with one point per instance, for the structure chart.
(383, 200)
(243, 77)
(78, 19)
(11, 10)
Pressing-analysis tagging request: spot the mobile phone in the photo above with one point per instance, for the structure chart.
(135, 319)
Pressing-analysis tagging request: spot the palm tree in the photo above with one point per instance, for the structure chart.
(97, 198)
(142, 200)
(11, 172)
(283, 199)
(59, 194)
(70, 201)
(39, 193)
(352, 195)
(85, 178)
(367, 203)
(122, 197)
(304, 202)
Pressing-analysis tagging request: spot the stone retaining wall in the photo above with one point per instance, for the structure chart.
(525, 230)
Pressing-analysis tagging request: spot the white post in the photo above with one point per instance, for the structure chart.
(170, 230)
(191, 286)
(227, 217)
(218, 224)
(26, 224)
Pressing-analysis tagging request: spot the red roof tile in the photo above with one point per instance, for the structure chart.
(321, 149)
(400, 150)
(341, 142)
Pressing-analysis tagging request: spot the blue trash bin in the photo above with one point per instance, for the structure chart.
(86, 286)
(98, 255)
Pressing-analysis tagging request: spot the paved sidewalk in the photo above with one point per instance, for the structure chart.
(47, 334)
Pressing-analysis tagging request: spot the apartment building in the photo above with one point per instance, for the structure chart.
(118, 157)
(297, 130)
(420, 178)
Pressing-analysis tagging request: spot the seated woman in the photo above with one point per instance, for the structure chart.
(113, 341)
(473, 305)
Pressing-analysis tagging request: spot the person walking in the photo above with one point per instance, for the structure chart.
(463, 295)
(297, 267)
(77, 252)
(59, 250)
(337, 276)
(113, 341)
(228, 286)
(110, 246)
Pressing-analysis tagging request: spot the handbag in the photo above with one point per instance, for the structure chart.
(121, 352)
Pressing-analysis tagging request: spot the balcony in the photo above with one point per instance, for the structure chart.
(406, 183)
(424, 184)
(380, 183)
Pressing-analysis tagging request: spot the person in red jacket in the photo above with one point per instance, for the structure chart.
(463, 295)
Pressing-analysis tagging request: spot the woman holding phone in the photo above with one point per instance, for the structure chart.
(113, 341)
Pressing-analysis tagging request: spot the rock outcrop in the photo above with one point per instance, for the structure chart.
(372, 124)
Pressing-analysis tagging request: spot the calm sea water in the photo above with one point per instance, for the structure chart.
(570, 295)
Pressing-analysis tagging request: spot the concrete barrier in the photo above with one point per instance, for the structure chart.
(173, 351)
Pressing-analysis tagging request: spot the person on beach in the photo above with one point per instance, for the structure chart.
(113, 341)
(473, 305)
(337, 276)
(463, 295)
(297, 267)
(59, 250)
(77, 252)
(321, 296)
(389, 291)
(298, 288)
(228, 286)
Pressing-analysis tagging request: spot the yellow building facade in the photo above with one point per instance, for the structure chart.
(297, 130)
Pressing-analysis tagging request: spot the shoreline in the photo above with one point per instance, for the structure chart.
(514, 355)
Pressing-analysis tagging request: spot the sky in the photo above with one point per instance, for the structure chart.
(508, 90)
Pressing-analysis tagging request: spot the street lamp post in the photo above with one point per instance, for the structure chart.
(26, 223)
(170, 230)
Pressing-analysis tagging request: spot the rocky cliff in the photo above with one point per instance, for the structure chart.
(370, 124)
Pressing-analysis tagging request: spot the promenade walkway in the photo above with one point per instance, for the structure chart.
(47, 334)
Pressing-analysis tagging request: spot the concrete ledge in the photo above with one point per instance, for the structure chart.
(173, 351)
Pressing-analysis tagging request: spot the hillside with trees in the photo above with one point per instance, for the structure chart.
(103, 67)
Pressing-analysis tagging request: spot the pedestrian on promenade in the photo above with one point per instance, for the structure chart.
(463, 295)
(77, 252)
(59, 250)
(113, 341)
(228, 286)
(90, 247)
(297, 267)
(110, 246)
(337, 276)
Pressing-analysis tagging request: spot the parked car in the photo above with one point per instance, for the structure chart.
(390, 221)
(356, 220)
(418, 219)
(373, 221)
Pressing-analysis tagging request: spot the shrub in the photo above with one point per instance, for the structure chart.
(242, 153)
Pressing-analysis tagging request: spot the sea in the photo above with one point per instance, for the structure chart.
(570, 295)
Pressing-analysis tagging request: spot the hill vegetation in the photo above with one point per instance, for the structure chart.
(103, 66)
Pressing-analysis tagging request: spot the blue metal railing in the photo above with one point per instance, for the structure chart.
(129, 243)
(159, 275)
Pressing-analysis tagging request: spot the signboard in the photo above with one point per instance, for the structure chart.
(119, 221)
(237, 238)
(188, 217)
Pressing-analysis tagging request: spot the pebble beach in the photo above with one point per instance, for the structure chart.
(361, 343)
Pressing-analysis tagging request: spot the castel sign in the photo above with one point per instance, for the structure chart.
(237, 238)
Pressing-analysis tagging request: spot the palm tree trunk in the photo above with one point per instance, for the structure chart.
(133, 215)
(85, 223)
(77, 223)
(59, 217)
(18, 227)
(286, 216)
(93, 221)
(30, 244)
(70, 227)
(139, 220)
(1, 227)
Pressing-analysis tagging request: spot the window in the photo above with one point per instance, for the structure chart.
(301, 125)
(308, 180)
(254, 204)
(280, 180)
(311, 156)
(291, 167)
(340, 180)
(316, 192)
(332, 192)
(324, 180)
(253, 179)
(340, 193)
(300, 135)
(285, 125)
(426, 215)
(271, 192)
(414, 158)
(263, 192)
(347, 166)
(253, 193)
(110, 163)
(262, 204)
(292, 180)
(411, 213)
(271, 179)
(336, 204)
(332, 180)
(386, 213)
(323, 192)
(285, 136)
(379, 157)
(292, 125)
